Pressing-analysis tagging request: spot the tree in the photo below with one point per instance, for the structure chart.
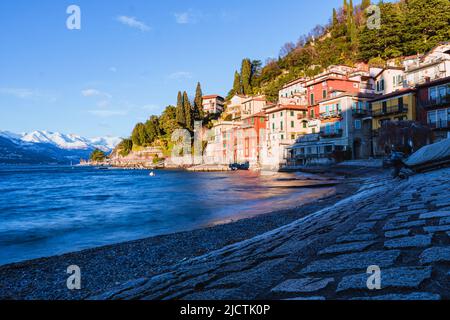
(237, 85)
(139, 135)
(168, 120)
(152, 130)
(181, 117)
(246, 76)
(335, 18)
(97, 156)
(365, 4)
(199, 114)
(187, 112)
(287, 48)
(125, 147)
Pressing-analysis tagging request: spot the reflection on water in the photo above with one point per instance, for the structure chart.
(52, 210)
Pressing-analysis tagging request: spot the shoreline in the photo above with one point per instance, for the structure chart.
(106, 267)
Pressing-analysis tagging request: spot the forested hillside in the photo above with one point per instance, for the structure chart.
(407, 27)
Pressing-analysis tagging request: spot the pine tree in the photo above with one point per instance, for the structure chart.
(237, 86)
(187, 111)
(181, 117)
(246, 76)
(199, 114)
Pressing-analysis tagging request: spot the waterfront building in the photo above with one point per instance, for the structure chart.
(213, 104)
(433, 106)
(234, 106)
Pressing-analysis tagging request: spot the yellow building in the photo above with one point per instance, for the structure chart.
(396, 106)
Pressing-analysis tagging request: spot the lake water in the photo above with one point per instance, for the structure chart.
(46, 211)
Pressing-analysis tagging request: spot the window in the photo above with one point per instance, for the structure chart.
(384, 106)
(432, 117)
(313, 130)
(281, 125)
(358, 124)
(292, 136)
(311, 99)
(324, 94)
(382, 84)
(261, 120)
(433, 94)
(292, 113)
(282, 137)
(273, 126)
(337, 126)
(312, 113)
(305, 124)
(292, 124)
(441, 118)
(281, 114)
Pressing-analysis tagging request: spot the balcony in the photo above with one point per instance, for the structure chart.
(390, 110)
(331, 115)
(332, 134)
(440, 125)
(360, 112)
(438, 102)
(302, 116)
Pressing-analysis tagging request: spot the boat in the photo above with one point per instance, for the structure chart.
(240, 166)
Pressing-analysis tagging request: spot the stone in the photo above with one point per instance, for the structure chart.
(409, 242)
(418, 223)
(354, 261)
(405, 277)
(444, 221)
(435, 254)
(347, 247)
(377, 216)
(304, 285)
(397, 233)
(410, 296)
(356, 237)
(306, 298)
(364, 227)
(434, 229)
(433, 215)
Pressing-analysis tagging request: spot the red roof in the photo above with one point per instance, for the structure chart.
(212, 96)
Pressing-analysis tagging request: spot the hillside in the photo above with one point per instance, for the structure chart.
(351, 36)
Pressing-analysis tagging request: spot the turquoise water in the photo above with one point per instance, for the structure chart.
(46, 211)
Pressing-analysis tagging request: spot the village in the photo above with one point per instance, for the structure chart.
(334, 116)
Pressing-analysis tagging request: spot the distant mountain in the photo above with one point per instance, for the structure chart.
(44, 147)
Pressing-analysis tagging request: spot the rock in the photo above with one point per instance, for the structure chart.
(435, 254)
(409, 242)
(410, 296)
(354, 261)
(434, 229)
(377, 216)
(433, 215)
(364, 227)
(306, 298)
(405, 277)
(444, 221)
(347, 247)
(356, 237)
(397, 233)
(304, 285)
(405, 225)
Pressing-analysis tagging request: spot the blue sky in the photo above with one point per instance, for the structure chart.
(131, 57)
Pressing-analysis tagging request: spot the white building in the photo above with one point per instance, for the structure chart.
(213, 104)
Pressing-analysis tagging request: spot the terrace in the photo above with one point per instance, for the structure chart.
(387, 110)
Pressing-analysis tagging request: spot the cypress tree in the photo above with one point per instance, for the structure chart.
(198, 103)
(181, 117)
(246, 76)
(237, 86)
(365, 4)
(187, 111)
(335, 18)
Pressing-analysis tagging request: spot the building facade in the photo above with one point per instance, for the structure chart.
(213, 104)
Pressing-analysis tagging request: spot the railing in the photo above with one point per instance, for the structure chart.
(302, 116)
(360, 112)
(332, 134)
(440, 124)
(435, 102)
(391, 110)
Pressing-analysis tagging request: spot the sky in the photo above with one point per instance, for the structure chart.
(131, 57)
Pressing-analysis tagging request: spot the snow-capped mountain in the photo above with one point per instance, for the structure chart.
(50, 147)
